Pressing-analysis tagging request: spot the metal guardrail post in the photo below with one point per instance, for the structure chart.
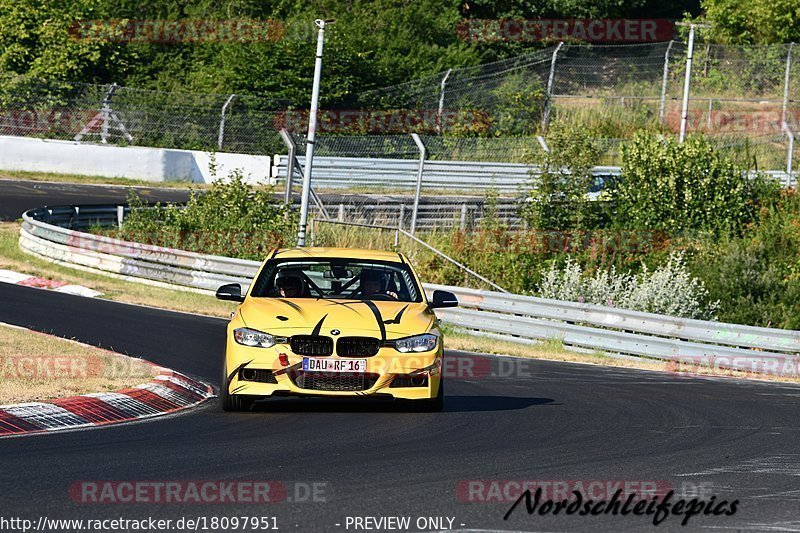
(422, 155)
(549, 95)
(222, 121)
(664, 84)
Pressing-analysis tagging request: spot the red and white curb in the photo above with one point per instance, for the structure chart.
(170, 391)
(18, 278)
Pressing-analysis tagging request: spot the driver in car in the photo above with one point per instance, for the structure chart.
(373, 283)
(290, 284)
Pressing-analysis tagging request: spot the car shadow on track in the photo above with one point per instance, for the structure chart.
(452, 404)
(471, 404)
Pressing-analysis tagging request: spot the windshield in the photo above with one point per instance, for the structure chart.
(338, 278)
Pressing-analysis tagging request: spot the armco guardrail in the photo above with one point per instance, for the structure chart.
(347, 172)
(340, 172)
(507, 316)
(43, 234)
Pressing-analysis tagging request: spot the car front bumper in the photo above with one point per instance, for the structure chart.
(276, 371)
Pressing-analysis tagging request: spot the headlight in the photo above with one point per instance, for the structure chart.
(252, 337)
(417, 343)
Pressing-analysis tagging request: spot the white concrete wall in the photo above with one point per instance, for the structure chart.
(134, 162)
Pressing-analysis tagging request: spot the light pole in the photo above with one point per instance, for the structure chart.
(312, 133)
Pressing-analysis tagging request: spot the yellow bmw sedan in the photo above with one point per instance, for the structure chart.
(334, 322)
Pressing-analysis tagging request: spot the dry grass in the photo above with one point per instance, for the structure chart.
(12, 258)
(35, 366)
(95, 180)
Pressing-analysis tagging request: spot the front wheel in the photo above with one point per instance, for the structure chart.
(233, 402)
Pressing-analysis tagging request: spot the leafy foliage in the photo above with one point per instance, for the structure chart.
(684, 187)
(756, 277)
(559, 197)
(753, 21)
(669, 290)
(231, 218)
(374, 43)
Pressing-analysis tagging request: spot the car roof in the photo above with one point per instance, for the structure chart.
(338, 253)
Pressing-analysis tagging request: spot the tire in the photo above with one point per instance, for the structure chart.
(233, 402)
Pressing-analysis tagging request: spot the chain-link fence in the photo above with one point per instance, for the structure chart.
(741, 96)
(126, 116)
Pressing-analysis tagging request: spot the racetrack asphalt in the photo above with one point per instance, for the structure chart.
(17, 196)
(731, 438)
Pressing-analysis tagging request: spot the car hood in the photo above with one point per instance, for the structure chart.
(306, 316)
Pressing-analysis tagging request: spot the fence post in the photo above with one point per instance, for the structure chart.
(786, 83)
(291, 158)
(686, 81)
(422, 155)
(400, 218)
(791, 157)
(710, 105)
(340, 216)
(222, 121)
(441, 102)
(106, 114)
(463, 222)
(546, 112)
(664, 83)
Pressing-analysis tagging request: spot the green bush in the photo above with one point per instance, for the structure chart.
(756, 277)
(559, 196)
(685, 187)
(231, 218)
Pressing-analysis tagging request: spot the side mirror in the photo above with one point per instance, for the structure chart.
(443, 299)
(231, 291)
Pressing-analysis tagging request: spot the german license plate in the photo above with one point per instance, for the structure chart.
(324, 364)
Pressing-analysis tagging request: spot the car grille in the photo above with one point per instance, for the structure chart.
(345, 381)
(311, 345)
(255, 374)
(357, 346)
